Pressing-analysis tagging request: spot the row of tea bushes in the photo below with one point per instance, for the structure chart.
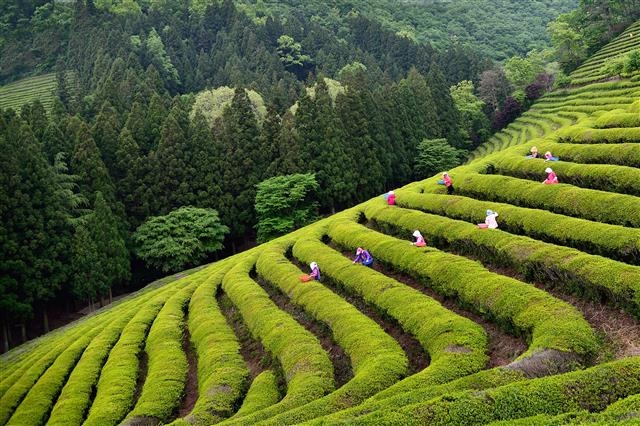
(582, 134)
(377, 359)
(263, 393)
(604, 177)
(222, 372)
(626, 154)
(601, 206)
(306, 366)
(456, 345)
(548, 323)
(613, 241)
(593, 389)
(167, 366)
(569, 270)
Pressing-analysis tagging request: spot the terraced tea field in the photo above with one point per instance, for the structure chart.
(535, 322)
(20, 92)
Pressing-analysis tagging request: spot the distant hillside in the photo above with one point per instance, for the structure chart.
(498, 29)
(535, 322)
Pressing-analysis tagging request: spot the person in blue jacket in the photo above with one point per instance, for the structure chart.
(363, 256)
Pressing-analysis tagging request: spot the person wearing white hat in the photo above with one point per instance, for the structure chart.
(551, 177)
(420, 242)
(315, 271)
(391, 198)
(490, 221)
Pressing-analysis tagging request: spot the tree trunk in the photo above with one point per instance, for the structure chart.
(23, 330)
(90, 305)
(45, 320)
(5, 338)
(110, 296)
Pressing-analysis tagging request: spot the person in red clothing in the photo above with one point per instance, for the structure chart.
(391, 198)
(551, 177)
(420, 242)
(448, 182)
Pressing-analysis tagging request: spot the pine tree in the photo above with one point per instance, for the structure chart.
(32, 230)
(445, 108)
(54, 142)
(323, 151)
(112, 253)
(86, 278)
(168, 178)
(131, 188)
(87, 164)
(105, 132)
(204, 177)
(239, 164)
(156, 113)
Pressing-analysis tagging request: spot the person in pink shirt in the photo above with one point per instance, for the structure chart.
(448, 182)
(391, 198)
(551, 177)
(420, 242)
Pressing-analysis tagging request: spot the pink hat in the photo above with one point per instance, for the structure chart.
(359, 250)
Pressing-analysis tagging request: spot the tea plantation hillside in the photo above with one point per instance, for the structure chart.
(41, 88)
(536, 322)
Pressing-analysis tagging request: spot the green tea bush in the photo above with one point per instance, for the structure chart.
(606, 207)
(578, 134)
(437, 329)
(117, 383)
(616, 242)
(263, 393)
(617, 118)
(377, 359)
(592, 389)
(306, 366)
(167, 363)
(547, 322)
(605, 177)
(25, 378)
(37, 404)
(75, 398)
(626, 154)
(222, 372)
(571, 271)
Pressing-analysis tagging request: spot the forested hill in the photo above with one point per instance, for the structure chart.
(496, 28)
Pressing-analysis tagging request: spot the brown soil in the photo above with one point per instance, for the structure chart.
(342, 371)
(191, 387)
(143, 369)
(254, 354)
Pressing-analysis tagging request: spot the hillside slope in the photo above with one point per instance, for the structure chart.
(536, 322)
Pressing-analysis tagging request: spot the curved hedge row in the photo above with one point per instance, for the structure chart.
(75, 398)
(550, 324)
(222, 372)
(604, 177)
(263, 393)
(613, 241)
(592, 389)
(601, 206)
(378, 360)
(167, 363)
(455, 344)
(627, 154)
(570, 270)
(117, 384)
(307, 368)
(37, 404)
(581, 134)
(617, 118)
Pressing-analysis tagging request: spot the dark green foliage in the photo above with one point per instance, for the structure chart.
(180, 238)
(433, 156)
(285, 203)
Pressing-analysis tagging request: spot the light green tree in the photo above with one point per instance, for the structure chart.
(181, 238)
(284, 203)
(434, 155)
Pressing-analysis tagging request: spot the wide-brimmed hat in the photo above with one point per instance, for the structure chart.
(548, 170)
(416, 233)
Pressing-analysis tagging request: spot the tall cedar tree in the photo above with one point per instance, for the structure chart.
(445, 108)
(239, 163)
(54, 142)
(85, 277)
(33, 231)
(322, 149)
(87, 164)
(168, 177)
(131, 188)
(287, 158)
(358, 115)
(105, 132)
(204, 177)
(113, 256)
